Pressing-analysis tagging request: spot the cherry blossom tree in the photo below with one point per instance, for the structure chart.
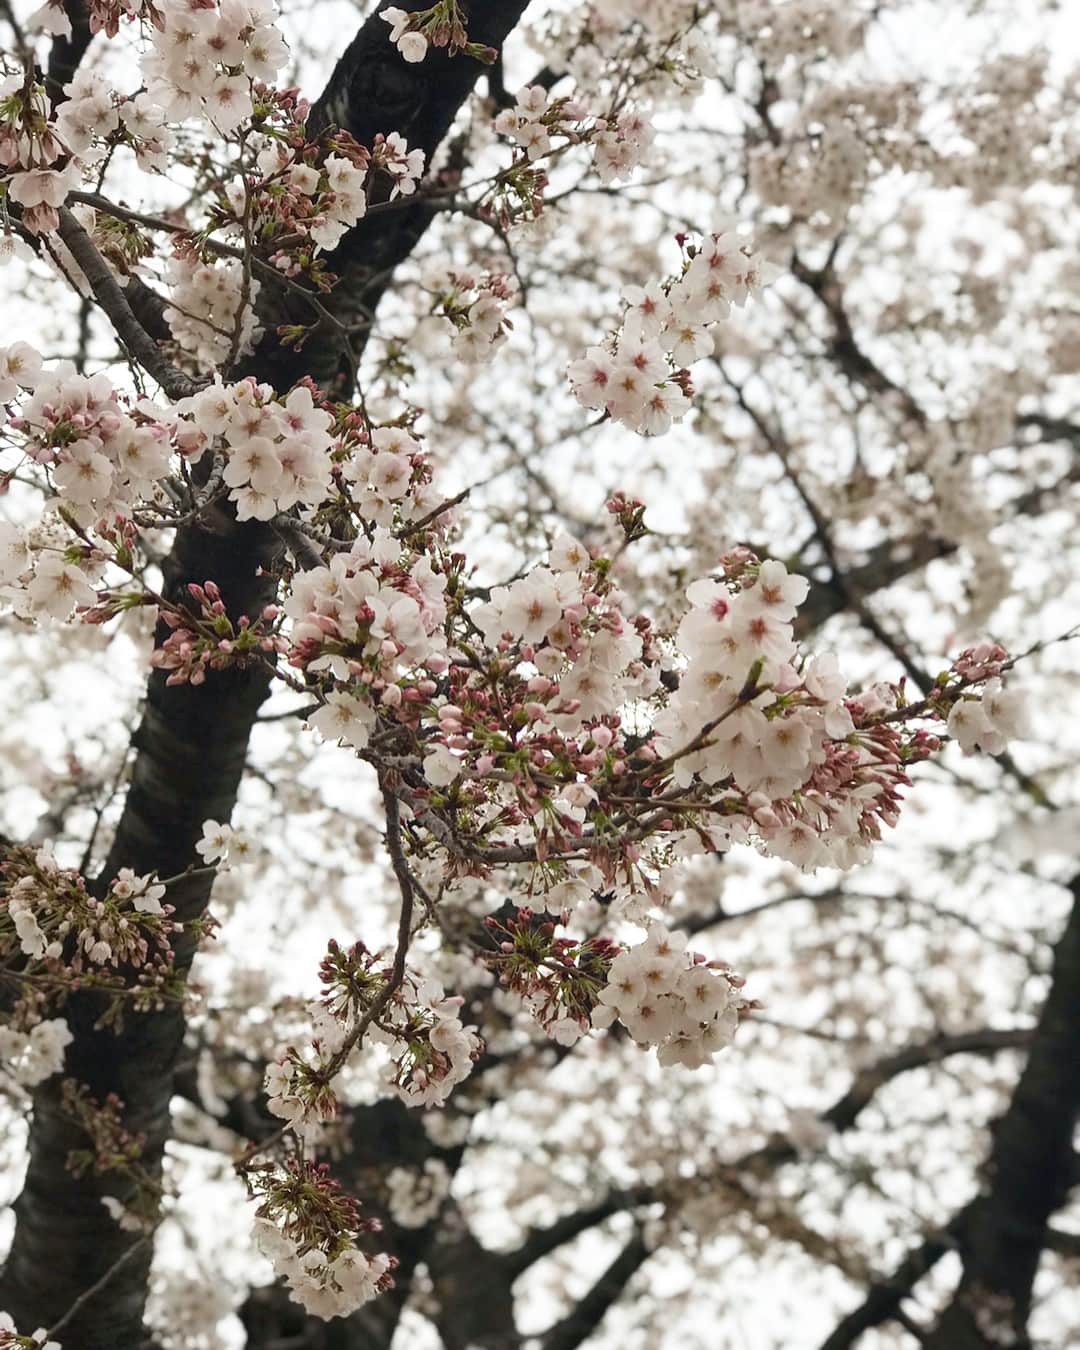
(539, 564)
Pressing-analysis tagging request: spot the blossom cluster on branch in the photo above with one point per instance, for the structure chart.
(639, 376)
(428, 1050)
(307, 1227)
(475, 308)
(11, 1340)
(665, 996)
(513, 702)
(443, 25)
(56, 937)
(619, 143)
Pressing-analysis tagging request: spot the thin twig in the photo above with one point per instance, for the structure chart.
(96, 1287)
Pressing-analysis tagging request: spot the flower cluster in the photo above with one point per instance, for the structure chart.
(88, 111)
(20, 368)
(392, 155)
(302, 190)
(475, 308)
(212, 308)
(101, 457)
(738, 692)
(93, 112)
(109, 458)
(30, 1056)
(542, 130)
(277, 451)
(201, 62)
(293, 198)
(29, 148)
(219, 842)
(343, 200)
(678, 1001)
(535, 118)
(205, 638)
(638, 377)
(414, 1198)
(440, 26)
(620, 143)
(389, 479)
(55, 586)
(813, 789)
(986, 720)
(203, 59)
(300, 1086)
(11, 1340)
(311, 190)
(113, 1148)
(307, 1228)
(410, 42)
(560, 979)
(105, 454)
(369, 623)
(62, 937)
(686, 1006)
(26, 900)
(428, 1050)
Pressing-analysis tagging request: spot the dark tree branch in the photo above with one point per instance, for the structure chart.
(149, 308)
(579, 1325)
(1028, 1174)
(541, 1242)
(885, 1295)
(1002, 1233)
(843, 347)
(883, 1298)
(846, 1111)
(885, 565)
(111, 297)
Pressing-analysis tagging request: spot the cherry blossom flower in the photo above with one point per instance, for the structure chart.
(57, 587)
(344, 717)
